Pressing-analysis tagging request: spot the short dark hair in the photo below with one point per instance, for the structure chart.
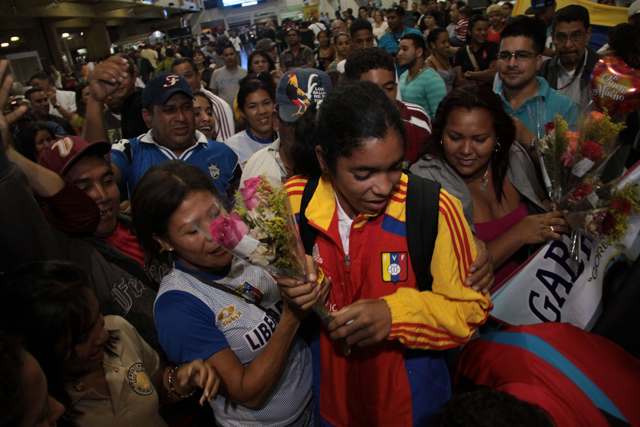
(525, 26)
(467, 11)
(158, 195)
(253, 83)
(27, 94)
(434, 34)
(471, 97)
(41, 76)
(571, 13)
(490, 408)
(418, 41)
(168, 52)
(45, 303)
(351, 114)
(360, 24)
(228, 46)
(363, 8)
(398, 10)
(361, 61)
(472, 22)
(185, 60)
(509, 5)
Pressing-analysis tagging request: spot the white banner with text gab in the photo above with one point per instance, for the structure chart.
(547, 289)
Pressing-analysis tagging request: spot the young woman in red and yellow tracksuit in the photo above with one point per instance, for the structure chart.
(395, 374)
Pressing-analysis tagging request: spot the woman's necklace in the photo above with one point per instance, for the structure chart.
(484, 180)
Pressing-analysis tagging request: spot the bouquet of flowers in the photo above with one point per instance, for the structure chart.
(573, 158)
(572, 163)
(262, 230)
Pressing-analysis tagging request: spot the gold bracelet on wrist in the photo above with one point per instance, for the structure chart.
(171, 391)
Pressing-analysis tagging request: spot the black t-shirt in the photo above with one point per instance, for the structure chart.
(487, 53)
(133, 124)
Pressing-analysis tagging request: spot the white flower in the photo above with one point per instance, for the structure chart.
(258, 233)
(263, 255)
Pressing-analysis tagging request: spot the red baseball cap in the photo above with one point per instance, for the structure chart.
(60, 155)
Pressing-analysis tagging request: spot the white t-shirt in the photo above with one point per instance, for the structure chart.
(66, 99)
(245, 146)
(266, 161)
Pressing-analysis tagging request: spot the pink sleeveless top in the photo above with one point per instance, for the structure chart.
(487, 231)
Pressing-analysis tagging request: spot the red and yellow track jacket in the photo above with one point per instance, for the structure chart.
(387, 383)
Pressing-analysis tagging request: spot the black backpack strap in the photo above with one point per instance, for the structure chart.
(423, 205)
(308, 234)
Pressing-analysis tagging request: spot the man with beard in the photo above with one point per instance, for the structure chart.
(419, 84)
(390, 41)
(519, 60)
(569, 71)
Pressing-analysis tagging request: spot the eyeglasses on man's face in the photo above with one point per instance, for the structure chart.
(562, 38)
(520, 55)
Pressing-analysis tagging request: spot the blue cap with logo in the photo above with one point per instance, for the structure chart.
(300, 88)
(163, 86)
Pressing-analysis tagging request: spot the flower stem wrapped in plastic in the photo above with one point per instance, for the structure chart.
(262, 230)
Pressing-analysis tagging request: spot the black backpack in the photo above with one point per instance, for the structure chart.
(423, 203)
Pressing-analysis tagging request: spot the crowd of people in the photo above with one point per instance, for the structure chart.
(404, 139)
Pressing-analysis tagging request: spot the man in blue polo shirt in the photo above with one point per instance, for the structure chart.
(168, 112)
(526, 97)
(390, 41)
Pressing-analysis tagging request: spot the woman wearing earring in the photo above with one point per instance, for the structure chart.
(473, 155)
(255, 105)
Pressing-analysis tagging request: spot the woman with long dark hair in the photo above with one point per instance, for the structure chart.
(82, 96)
(351, 171)
(325, 53)
(88, 359)
(473, 155)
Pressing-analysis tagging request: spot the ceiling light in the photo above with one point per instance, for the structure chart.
(65, 35)
(4, 44)
(82, 34)
(15, 38)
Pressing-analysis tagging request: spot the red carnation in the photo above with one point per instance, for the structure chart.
(581, 191)
(550, 126)
(621, 205)
(608, 223)
(591, 150)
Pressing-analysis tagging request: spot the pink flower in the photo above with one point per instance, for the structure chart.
(250, 192)
(228, 231)
(568, 158)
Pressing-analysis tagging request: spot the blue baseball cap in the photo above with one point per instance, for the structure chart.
(538, 6)
(163, 86)
(300, 88)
